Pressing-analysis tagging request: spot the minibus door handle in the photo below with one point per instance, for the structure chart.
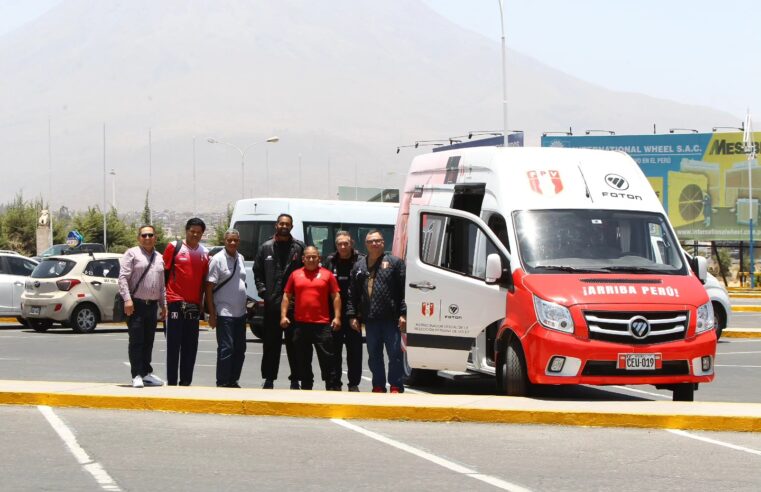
(423, 285)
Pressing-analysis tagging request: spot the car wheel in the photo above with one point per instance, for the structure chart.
(684, 392)
(84, 319)
(21, 320)
(39, 325)
(719, 319)
(514, 378)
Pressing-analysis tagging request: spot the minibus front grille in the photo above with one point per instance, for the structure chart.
(614, 326)
(608, 368)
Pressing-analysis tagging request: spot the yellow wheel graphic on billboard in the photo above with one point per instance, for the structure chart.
(686, 192)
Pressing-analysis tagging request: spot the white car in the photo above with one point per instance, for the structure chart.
(719, 296)
(14, 270)
(73, 290)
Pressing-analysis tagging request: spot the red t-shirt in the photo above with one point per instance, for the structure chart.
(190, 269)
(311, 291)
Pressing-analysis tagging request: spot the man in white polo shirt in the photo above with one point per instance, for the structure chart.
(226, 303)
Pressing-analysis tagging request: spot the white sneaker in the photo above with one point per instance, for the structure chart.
(151, 380)
(137, 382)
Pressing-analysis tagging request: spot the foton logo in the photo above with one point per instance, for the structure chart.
(545, 182)
(617, 182)
(427, 308)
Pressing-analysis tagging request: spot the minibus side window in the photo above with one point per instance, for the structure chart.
(455, 244)
(252, 235)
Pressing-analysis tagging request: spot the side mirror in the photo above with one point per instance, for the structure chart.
(700, 267)
(493, 269)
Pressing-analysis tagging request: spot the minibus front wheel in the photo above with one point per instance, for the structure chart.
(684, 392)
(512, 378)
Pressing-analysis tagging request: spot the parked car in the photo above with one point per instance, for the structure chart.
(65, 249)
(719, 296)
(14, 270)
(74, 290)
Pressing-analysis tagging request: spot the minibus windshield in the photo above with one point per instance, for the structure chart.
(600, 241)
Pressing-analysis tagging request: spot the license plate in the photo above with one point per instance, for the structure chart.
(35, 309)
(640, 362)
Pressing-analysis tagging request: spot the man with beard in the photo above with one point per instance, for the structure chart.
(275, 261)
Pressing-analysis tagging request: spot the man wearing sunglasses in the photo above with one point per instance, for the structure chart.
(141, 285)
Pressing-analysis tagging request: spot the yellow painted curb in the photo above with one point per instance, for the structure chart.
(380, 412)
(746, 309)
(734, 295)
(740, 334)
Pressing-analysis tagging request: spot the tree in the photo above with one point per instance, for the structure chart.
(90, 225)
(18, 227)
(222, 226)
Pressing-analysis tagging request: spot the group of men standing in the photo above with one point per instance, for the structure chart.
(310, 302)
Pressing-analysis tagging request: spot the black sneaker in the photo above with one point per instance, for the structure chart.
(354, 389)
(268, 384)
(295, 385)
(233, 385)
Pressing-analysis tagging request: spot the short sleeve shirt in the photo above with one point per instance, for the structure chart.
(190, 269)
(311, 291)
(230, 299)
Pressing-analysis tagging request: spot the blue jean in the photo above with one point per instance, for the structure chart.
(231, 348)
(379, 333)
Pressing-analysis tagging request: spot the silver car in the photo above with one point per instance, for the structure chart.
(73, 290)
(14, 270)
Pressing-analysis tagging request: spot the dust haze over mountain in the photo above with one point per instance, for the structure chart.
(341, 82)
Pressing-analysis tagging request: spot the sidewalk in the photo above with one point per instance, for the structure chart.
(743, 417)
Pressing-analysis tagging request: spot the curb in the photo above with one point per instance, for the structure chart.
(746, 309)
(521, 413)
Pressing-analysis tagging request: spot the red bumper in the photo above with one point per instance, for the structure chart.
(599, 358)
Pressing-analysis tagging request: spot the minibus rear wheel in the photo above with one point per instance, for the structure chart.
(513, 370)
(684, 392)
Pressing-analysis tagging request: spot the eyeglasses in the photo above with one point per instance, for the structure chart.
(374, 241)
(146, 235)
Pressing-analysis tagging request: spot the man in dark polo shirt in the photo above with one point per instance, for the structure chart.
(313, 288)
(186, 275)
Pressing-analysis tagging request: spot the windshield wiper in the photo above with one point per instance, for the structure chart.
(565, 268)
(633, 269)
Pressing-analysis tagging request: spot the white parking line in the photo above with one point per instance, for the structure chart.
(164, 363)
(714, 441)
(738, 353)
(635, 390)
(92, 467)
(468, 472)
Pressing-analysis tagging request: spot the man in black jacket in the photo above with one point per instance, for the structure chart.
(376, 295)
(275, 261)
(341, 263)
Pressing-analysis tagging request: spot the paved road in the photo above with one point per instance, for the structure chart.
(61, 355)
(131, 450)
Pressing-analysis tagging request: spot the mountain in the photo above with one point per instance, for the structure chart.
(341, 82)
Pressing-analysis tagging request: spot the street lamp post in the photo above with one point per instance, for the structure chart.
(113, 189)
(242, 159)
(504, 74)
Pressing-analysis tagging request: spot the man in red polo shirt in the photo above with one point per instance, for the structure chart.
(313, 287)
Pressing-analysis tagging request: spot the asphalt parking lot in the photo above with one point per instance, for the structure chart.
(78, 449)
(101, 356)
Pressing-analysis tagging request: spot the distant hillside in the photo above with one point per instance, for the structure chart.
(341, 82)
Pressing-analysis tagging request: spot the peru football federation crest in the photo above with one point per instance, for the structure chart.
(427, 308)
(545, 182)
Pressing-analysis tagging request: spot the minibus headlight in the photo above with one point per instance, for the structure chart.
(705, 318)
(553, 316)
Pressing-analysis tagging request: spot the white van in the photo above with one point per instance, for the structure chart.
(536, 265)
(314, 221)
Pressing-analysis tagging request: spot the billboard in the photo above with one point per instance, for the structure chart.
(701, 178)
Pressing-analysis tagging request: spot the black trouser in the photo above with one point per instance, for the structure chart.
(304, 336)
(231, 348)
(353, 342)
(272, 345)
(141, 327)
(181, 345)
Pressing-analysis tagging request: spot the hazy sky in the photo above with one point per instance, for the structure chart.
(692, 51)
